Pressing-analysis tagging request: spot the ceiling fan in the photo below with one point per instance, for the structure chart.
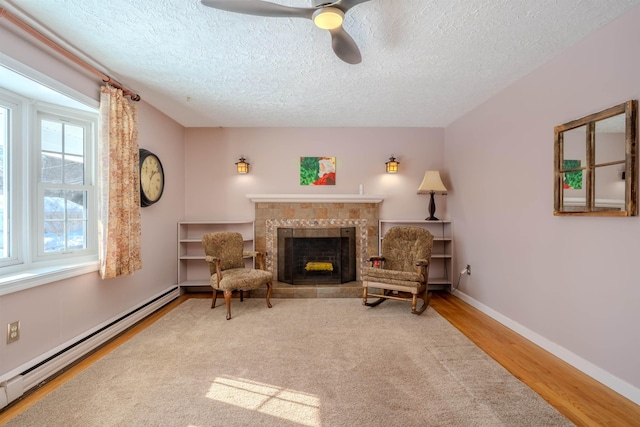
(326, 15)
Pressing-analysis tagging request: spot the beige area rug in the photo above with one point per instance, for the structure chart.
(304, 362)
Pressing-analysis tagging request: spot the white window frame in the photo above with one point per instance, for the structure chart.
(28, 267)
(14, 163)
(89, 123)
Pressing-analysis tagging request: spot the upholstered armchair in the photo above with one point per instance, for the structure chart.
(225, 255)
(401, 271)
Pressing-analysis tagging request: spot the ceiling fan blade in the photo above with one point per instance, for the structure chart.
(344, 46)
(345, 5)
(260, 8)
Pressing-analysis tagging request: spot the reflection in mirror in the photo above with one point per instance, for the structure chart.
(610, 140)
(574, 163)
(609, 188)
(596, 164)
(609, 151)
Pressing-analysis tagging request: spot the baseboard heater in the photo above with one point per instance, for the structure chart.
(39, 370)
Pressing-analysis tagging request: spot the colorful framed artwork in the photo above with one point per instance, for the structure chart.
(572, 180)
(317, 171)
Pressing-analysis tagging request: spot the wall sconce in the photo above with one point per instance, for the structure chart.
(392, 165)
(432, 184)
(242, 166)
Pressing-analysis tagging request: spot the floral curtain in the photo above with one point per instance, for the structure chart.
(119, 194)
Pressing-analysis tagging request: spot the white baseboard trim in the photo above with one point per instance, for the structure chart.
(618, 385)
(4, 401)
(39, 369)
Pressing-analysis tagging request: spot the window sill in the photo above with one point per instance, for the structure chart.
(41, 276)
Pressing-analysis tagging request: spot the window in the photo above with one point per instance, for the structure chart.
(4, 129)
(47, 195)
(9, 114)
(64, 189)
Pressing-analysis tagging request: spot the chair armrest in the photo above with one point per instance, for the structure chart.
(259, 257)
(216, 263)
(422, 267)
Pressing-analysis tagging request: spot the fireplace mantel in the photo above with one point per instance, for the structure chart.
(315, 198)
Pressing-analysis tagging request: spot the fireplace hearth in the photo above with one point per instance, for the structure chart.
(316, 255)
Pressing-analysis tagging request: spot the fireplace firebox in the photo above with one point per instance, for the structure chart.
(316, 255)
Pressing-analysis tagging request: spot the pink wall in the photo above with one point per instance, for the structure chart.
(570, 284)
(215, 191)
(33, 55)
(54, 313)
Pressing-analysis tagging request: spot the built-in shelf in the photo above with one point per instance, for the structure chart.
(193, 270)
(315, 198)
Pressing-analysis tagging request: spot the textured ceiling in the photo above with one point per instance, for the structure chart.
(424, 62)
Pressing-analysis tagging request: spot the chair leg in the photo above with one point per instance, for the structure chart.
(227, 300)
(215, 297)
(269, 288)
(376, 302)
(425, 296)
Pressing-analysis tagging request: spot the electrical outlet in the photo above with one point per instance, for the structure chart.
(469, 269)
(13, 332)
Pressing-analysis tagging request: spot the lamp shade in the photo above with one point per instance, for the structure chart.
(432, 183)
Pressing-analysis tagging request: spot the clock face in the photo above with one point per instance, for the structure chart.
(151, 178)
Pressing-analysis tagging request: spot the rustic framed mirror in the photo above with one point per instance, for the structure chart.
(596, 164)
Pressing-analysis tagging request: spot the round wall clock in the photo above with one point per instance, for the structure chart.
(151, 178)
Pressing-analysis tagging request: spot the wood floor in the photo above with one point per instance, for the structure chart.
(581, 399)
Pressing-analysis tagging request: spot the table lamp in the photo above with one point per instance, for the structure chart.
(432, 184)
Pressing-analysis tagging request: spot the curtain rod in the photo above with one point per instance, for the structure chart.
(105, 78)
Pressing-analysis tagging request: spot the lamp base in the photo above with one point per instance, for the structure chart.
(432, 209)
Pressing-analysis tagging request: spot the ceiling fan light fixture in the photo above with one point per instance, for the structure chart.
(328, 18)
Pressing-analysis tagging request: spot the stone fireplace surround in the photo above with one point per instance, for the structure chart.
(300, 211)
